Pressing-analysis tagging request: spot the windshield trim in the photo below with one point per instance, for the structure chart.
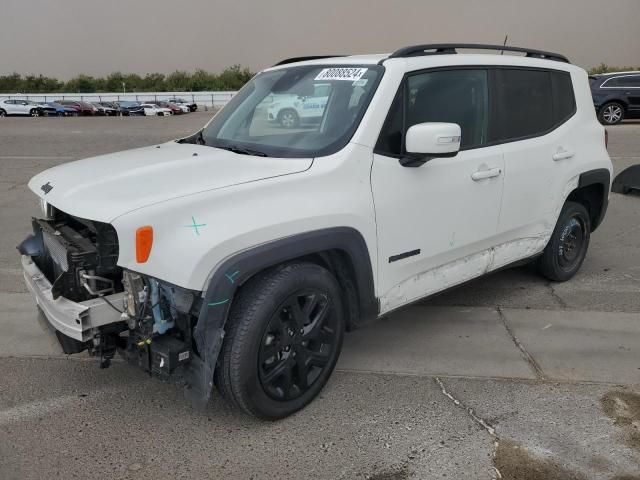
(292, 152)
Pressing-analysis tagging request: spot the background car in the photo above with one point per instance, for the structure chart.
(56, 109)
(181, 101)
(83, 108)
(105, 110)
(113, 105)
(20, 107)
(616, 96)
(151, 109)
(175, 109)
(130, 108)
(291, 110)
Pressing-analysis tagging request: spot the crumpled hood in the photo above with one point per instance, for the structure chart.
(105, 187)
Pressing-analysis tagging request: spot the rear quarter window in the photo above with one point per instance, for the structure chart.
(531, 102)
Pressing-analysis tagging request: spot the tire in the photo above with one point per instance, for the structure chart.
(288, 118)
(567, 248)
(3, 113)
(274, 362)
(611, 113)
(34, 112)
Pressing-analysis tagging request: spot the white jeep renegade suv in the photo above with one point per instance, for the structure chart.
(239, 256)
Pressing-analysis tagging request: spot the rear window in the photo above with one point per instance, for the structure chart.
(531, 102)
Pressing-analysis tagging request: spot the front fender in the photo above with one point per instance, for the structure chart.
(225, 281)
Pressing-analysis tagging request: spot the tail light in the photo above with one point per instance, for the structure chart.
(606, 138)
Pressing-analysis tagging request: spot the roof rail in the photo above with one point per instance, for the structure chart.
(302, 59)
(450, 48)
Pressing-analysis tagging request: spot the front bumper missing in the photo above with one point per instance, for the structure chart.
(73, 319)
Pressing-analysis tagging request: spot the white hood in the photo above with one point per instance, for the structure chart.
(108, 186)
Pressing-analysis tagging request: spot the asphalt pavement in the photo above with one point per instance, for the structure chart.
(507, 376)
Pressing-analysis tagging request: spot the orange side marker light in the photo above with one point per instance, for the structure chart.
(144, 242)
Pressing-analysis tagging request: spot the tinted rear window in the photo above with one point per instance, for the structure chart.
(531, 102)
(524, 106)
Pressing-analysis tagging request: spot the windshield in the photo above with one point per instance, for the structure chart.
(305, 111)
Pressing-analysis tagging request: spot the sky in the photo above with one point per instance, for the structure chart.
(63, 38)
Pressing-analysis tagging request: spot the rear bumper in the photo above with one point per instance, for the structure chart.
(73, 319)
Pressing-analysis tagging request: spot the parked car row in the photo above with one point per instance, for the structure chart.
(75, 108)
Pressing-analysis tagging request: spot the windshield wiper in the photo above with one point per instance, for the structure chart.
(243, 151)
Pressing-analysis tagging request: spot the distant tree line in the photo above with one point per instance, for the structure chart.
(231, 78)
(604, 68)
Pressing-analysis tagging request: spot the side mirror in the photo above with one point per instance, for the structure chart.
(425, 141)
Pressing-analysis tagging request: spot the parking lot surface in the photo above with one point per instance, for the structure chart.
(508, 376)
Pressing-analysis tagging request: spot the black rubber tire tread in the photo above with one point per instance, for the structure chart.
(547, 262)
(245, 308)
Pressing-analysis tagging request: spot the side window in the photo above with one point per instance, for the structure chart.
(564, 102)
(455, 96)
(617, 82)
(634, 81)
(524, 103)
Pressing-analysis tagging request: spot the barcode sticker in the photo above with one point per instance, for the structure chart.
(349, 74)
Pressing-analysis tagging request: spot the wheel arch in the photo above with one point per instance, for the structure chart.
(593, 192)
(342, 250)
(615, 99)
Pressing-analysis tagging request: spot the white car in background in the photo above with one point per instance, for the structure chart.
(291, 110)
(20, 107)
(154, 110)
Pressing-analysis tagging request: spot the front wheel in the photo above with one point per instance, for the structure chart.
(34, 112)
(284, 336)
(565, 252)
(611, 113)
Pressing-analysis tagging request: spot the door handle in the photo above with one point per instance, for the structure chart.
(562, 154)
(482, 174)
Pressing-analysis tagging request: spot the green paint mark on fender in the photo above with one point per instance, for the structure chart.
(195, 225)
(221, 302)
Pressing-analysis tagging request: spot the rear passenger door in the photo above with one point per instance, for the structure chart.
(632, 91)
(532, 113)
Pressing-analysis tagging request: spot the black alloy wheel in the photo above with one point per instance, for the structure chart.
(297, 345)
(283, 338)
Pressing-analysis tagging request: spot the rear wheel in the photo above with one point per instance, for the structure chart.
(288, 118)
(565, 252)
(284, 336)
(611, 113)
(34, 112)
(3, 113)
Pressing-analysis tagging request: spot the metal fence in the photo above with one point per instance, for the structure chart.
(208, 99)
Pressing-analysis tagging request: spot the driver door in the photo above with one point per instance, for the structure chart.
(436, 223)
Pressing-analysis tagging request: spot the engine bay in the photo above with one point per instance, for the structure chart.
(152, 320)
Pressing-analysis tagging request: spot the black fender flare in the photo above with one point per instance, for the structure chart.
(599, 176)
(208, 333)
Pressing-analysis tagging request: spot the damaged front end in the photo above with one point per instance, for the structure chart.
(70, 265)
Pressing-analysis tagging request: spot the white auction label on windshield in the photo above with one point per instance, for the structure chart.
(349, 74)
